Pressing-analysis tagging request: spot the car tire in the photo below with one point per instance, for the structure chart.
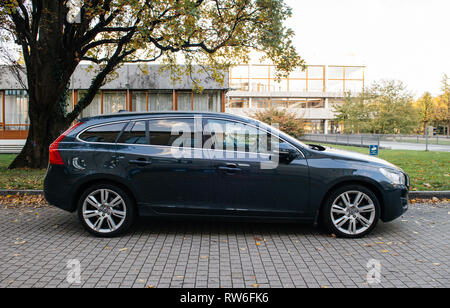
(106, 210)
(351, 211)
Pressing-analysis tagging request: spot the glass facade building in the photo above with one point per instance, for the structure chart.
(311, 94)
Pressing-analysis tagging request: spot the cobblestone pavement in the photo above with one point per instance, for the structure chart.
(35, 246)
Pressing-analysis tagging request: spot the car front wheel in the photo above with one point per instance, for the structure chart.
(106, 210)
(351, 211)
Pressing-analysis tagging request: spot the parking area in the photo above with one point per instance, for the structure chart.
(37, 244)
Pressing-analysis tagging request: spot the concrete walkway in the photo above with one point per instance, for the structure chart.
(414, 146)
(38, 244)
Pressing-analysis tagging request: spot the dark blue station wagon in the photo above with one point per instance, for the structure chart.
(111, 169)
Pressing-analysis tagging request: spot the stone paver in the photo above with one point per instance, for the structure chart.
(35, 246)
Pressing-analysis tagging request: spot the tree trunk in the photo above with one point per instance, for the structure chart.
(47, 87)
(44, 128)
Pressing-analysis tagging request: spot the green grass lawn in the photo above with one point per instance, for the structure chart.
(21, 178)
(428, 170)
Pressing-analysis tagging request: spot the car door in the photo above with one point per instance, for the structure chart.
(159, 159)
(256, 173)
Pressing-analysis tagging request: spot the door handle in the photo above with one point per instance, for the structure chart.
(140, 162)
(230, 168)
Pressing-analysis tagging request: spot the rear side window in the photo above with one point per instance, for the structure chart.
(135, 133)
(172, 132)
(104, 134)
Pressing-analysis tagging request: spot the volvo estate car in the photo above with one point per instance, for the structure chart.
(112, 169)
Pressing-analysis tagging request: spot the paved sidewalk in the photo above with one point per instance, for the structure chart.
(35, 246)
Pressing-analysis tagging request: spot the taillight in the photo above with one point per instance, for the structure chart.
(54, 155)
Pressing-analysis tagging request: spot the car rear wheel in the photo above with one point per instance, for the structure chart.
(351, 211)
(106, 210)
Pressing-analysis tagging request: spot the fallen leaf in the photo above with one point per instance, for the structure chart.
(437, 264)
(150, 286)
(385, 251)
(123, 249)
(255, 285)
(20, 242)
(258, 244)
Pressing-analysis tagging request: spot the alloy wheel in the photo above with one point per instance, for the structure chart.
(104, 211)
(353, 212)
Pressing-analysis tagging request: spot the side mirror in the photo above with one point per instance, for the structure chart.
(286, 153)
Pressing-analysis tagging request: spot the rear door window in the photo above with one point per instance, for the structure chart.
(103, 134)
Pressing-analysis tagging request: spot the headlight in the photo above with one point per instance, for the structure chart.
(394, 176)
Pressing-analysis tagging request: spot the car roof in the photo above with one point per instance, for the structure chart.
(135, 115)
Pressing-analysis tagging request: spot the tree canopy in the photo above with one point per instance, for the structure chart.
(210, 33)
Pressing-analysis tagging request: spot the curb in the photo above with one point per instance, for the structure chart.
(20, 192)
(412, 194)
(429, 194)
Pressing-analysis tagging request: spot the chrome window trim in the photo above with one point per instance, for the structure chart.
(77, 138)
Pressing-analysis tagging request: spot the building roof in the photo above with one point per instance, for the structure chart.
(130, 76)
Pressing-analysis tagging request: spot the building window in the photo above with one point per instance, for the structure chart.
(114, 101)
(261, 103)
(297, 85)
(316, 103)
(139, 101)
(94, 108)
(314, 126)
(260, 85)
(184, 101)
(298, 103)
(239, 78)
(208, 101)
(16, 110)
(280, 103)
(238, 103)
(161, 101)
(345, 79)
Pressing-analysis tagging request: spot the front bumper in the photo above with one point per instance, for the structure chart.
(395, 203)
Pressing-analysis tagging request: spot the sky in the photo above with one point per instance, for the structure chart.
(407, 40)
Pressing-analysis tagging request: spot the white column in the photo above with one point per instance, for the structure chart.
(325, 127)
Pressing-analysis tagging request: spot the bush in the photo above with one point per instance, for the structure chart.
(287, 121)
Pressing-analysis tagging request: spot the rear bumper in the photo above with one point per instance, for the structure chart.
(395, 203)
(58, 190)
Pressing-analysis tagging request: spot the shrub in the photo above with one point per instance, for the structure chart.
(287, 121)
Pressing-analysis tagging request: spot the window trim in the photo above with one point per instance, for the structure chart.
(177, 117)
(77, 138)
